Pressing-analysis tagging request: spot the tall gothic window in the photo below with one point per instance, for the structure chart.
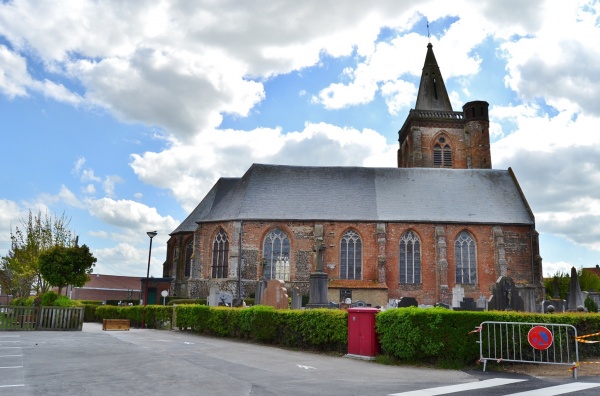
(189, 249)
(276, 250)
(220, 255)
(442, 153)
(465, 258)
(351, 256)
(410, 258)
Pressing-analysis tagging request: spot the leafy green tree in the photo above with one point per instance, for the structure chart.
(588, 281)
(19, 270)
(562, 281)
(15, 278)
(62, 266)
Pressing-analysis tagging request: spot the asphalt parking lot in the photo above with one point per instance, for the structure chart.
(141, 362)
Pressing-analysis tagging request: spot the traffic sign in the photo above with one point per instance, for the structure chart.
(540, 338)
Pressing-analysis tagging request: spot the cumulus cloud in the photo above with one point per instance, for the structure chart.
(229, 153)
(554, 64)
(130, 215)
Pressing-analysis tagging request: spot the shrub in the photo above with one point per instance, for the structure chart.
(89, 312)
(321, 329)
(181, 301)
(90, 302)
(21, 301)
(64, 301)
(590, 304)
(156, 315)
(48, 298)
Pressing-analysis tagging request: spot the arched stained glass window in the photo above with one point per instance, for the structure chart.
(189, 249)
(351, 256)
(276, 250)
(465, 258)
(410, 258)
(220, 256)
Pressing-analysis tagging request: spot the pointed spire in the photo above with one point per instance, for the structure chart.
(432, 93)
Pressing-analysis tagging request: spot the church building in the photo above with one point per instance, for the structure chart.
(442, 220)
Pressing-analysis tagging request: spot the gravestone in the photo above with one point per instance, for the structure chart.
(458, 293)
(275, 295)
(213, 296)
(407, 302)
(468, 304)
(505, 296)
(296, 298)
(261, 285)
(575, 297)
(482, 302)
(225, 299)
(442, 305)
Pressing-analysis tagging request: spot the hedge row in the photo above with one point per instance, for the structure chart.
(440, 336)
(433, 336)
(318, 329)
(157, 316)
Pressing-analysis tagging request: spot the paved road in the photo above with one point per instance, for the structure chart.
(151, 362)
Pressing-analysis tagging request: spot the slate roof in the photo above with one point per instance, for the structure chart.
(282, 192)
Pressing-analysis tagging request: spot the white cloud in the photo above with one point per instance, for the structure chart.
(552, 268)
(554, 63)
(14, 78)
(229, 153)
(398, 95)
(10, 216)
(89, 189)
(130, 215)
(109, 184)
(125, 259)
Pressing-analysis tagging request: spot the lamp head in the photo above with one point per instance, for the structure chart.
(152, 234)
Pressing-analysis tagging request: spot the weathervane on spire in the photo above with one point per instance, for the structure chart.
(428, 38)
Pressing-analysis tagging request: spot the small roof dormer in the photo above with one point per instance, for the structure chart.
(432, 93)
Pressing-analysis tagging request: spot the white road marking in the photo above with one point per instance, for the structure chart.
(442, 390)
(306, 367)
(558, 390)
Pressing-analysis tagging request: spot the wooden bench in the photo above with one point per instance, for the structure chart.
(115, 324)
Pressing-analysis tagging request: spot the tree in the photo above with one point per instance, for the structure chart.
(19, 270)
(62, 266)
(588, 281)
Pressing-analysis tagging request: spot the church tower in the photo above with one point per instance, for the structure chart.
(435, 136)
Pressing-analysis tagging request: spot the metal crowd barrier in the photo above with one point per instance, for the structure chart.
(545, 343)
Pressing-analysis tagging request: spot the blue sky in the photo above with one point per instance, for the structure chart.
(123, 115)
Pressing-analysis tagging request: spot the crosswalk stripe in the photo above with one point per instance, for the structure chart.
(558, 389)
(442, 390)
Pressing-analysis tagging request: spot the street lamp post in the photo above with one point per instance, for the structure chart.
(151, 234)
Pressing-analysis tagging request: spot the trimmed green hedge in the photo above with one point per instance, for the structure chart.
(157, 316)
(412, 335)
(317, 329)
(440, 336)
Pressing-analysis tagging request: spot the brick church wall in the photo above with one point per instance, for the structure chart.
(517, 247)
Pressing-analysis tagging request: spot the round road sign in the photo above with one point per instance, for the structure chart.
(540, 338)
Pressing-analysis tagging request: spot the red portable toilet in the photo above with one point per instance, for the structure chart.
(362, 338)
